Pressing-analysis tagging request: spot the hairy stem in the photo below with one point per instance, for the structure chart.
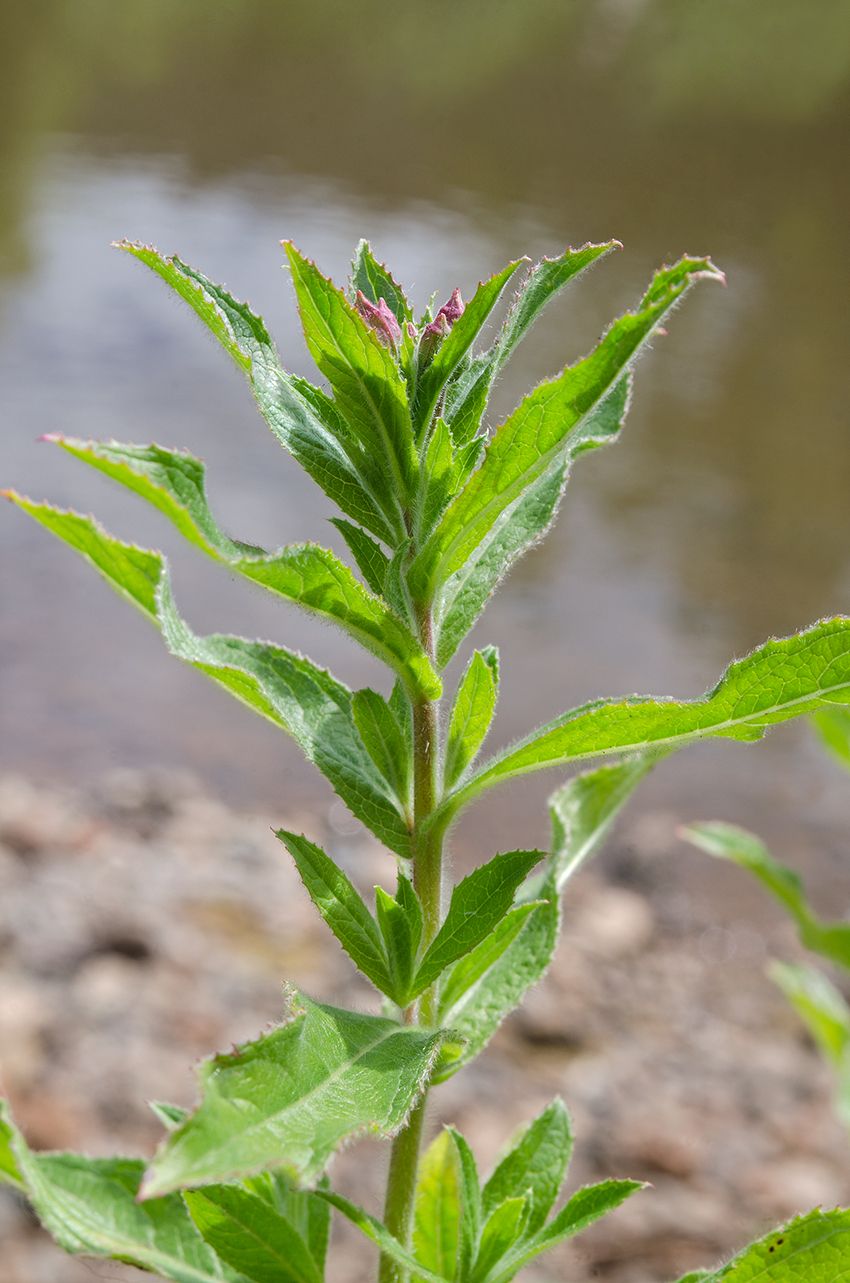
(427, 850)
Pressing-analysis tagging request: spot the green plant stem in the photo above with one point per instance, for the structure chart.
(427, 846)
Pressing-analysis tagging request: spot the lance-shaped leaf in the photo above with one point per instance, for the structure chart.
(492, 981)
(340, 905)
(386, 743)
(438, 1207)
(728, 842)
(516, 528)
(89, 1205)
(251, 1236)
(456, 344)
(294, 1096)
(827, 1016)
(309, 1216)
(401, 922)
(467, 396)
(583, 811)
(535, 1166)
(307, 575)
(387, 1242)
(478, 904)
(553, 418)
(470, 1202)
(367, 384)
(810, 1249)
(284, 687)
(371, 559)
(471, 714)
(375, 281)
(304, 420)
(503, 1230)
(778, 681)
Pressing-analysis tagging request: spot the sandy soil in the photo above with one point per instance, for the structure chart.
(144, 925)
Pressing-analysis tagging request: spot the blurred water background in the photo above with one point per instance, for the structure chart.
(454, 135)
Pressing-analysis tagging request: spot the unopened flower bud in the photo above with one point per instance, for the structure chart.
(380, 318)
(440, 327)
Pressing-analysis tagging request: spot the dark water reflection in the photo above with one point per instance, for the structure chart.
(454, 135)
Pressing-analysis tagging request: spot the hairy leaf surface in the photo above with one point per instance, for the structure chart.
(535, 1166)
(814, 1248)
(294, 1096)
(471, 714)
(283, 686)
(375, 281)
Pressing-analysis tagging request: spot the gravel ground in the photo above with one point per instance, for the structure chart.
(144, 925)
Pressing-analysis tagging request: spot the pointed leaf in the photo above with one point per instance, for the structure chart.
(477, 905)
(521, 524)
(294, 1096)
(470, 1220)
(169, 1115)
(303, 419)
(535, 1166)
(371, 560)
(467, 397)
(89, 1206)
(588, 1205)
(375, 281)
(438, 1207)
(583, 811)
(468, 970)
(306, 574)
(471, 715)
(481, 1008)
(367, 384)
(831, 939)
(826, 1015)
(813, 1248)
(778, 681)
(401, 924)
(551, 419)
(457, 343)
(284, 687)
(385, 742)
(374, 1230)
(833, 729)
(308, 1215)
(342, 908)
(251, 1236)
(503, 1230)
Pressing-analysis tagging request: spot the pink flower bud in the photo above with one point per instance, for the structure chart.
(380, 318)
(440, 327)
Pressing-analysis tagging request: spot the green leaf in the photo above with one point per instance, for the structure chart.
(401, 924)
(535, 1166)
(465, 593)
(467, 397)
(553, 418)
(470, 969)
(477, 905)
(504, 1228)
(583, 811)
(827, 1016)
(457, 343)
(472, 713)
(814, 1248)
(284, 687)
(9, 1171)
(367, 385)
(470, 1202)
(294, 1096)
(342, 908)
(778, 681)
(308, 1215)
(385, 742)
(251, 1236)
(169, 1115)
(375, 281)
(374, 1230)
(371, 560)
(517, 965)
(438, 1206)
(727, 841)
(833, 729)
(89, 1206)
(307, 575)
(304, 420)
(588, 1205)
